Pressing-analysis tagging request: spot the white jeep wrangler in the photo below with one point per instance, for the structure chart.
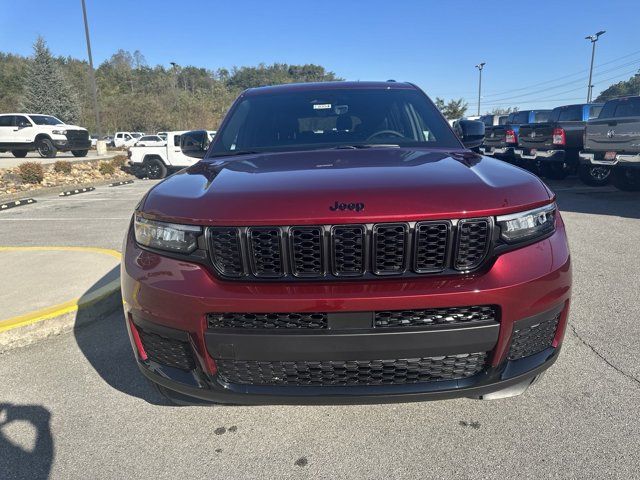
(21, 133)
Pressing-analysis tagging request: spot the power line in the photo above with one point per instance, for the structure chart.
(563, 77)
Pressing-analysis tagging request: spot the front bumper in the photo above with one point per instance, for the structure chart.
(66, 145)
(172, 298)
(540, 155)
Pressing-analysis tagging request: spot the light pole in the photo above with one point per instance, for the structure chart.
(593, 38)
(480, 66)
(92, 76)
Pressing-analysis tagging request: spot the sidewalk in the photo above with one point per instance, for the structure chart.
(44, 288)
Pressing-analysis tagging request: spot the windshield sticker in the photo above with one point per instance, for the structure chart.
(322, 106)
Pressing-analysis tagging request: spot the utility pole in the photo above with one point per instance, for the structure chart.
(92, 75)
(480, 66)
(593, 38)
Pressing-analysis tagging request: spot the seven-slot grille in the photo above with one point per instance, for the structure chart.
(384, 249)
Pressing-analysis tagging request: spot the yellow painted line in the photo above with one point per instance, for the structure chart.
(66, 307)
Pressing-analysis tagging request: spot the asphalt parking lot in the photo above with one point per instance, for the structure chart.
(75, 406)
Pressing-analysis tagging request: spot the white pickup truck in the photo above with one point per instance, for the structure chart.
(157, 162)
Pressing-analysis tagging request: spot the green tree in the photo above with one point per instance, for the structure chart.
(46, 89)
(455, 109)
(621, 89)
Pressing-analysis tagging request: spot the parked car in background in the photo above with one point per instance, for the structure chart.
(150, 141)
(120, 139)
(553, 147)
(612, 141)
(21, 133)
(492, 120)
(108, 139)
(501, 140)
(162, 135)
(157, 161)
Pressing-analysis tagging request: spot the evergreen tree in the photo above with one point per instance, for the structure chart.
(46, 89)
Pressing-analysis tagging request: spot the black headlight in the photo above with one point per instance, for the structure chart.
(526, 226)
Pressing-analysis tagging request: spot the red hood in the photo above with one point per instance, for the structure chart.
(299, 187)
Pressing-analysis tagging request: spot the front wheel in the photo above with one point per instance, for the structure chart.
(594, 175)
(46, 148)
(79, 153)
(19, 153)
(156, 169)
(626, 179)
(554, 171)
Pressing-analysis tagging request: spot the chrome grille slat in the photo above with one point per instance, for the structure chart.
(336, 251)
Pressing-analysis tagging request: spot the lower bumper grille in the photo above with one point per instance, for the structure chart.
(352, 373)
(532, 339)
(167, 351)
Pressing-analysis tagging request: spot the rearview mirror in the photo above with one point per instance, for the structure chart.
(470, 132)
(195, 143)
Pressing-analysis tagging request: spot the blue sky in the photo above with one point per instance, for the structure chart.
(535, 43)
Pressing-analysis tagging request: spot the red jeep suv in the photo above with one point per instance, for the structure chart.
(339, 242)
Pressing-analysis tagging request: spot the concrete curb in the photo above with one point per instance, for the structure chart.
(31, 327)
(76, 191)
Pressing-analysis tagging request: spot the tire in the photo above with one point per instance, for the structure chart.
(46, 148)
(155, 169)
(554, 171)
(594, 175)
(626, 179)
(19, 153)
(176, 398)
(79, 153)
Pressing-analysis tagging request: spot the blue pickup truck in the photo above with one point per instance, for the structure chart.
(501, 140)
(553, 147)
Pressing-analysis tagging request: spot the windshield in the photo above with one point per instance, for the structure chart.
(46, 120)
(333, 118)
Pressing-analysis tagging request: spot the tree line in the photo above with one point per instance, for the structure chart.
(132, 95)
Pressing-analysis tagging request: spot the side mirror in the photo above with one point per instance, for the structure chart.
(470, 132)
(195, 143)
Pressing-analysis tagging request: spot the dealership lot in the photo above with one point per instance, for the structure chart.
(80, 403)
(7, 160)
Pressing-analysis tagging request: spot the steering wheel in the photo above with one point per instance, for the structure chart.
(383, 132)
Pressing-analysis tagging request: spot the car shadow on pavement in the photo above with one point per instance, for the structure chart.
(25, 453)
(600, 201)
(103, 339)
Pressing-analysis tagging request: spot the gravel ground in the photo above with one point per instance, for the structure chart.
(75, 404)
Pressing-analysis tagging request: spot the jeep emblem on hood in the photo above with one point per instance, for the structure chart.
(358, 207)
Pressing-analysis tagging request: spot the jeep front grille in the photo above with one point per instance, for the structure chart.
(335, 251)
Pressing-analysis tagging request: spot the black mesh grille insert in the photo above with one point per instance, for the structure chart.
(532, 339)
(350, 373)
(167, 351)
(225, 248)
(473, 242)
(432, 239)
(435, 316)
(268, 320)
(306, 251)
(348, 250)
(266, 248)
(389, 248)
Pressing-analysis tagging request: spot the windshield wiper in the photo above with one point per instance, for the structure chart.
(231, 153)
(357, 146)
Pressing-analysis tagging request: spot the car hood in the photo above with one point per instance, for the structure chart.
(367, 185)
